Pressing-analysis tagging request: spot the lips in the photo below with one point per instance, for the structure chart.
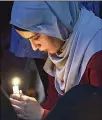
(42, 50)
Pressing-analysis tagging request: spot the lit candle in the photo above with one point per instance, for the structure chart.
(16, 82)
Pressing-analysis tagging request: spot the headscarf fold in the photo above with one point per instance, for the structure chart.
(86, 40)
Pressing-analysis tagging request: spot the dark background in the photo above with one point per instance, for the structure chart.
(10, 65)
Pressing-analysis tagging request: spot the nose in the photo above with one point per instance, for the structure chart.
(35, 46)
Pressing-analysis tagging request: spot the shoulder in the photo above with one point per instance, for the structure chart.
(95, 69)
(96, 60)
(93, 72)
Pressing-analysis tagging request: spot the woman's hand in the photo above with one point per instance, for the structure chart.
(26, 107)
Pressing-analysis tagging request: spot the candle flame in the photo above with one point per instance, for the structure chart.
(16, 81)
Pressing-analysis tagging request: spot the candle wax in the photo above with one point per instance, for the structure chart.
(15, 89)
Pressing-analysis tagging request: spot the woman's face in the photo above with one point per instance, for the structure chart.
(42, 42)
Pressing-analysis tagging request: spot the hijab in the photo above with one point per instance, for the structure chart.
(45, 17)
(81, 31)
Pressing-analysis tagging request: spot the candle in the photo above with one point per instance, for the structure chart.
(16, 89)
(16, 82)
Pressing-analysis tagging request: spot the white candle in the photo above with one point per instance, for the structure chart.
(15, 89)
(16, 82)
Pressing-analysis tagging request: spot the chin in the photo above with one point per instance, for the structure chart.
(41, 50)
(52, 52)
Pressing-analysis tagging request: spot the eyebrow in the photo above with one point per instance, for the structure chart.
(32, 36)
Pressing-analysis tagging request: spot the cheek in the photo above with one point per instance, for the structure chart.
(48, 43)
(52, 48)
(44, 42)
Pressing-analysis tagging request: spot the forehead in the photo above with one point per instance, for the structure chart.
(26, 34)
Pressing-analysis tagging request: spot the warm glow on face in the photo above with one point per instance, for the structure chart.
(16, 81)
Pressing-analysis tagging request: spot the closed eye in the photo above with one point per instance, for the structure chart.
(36, 37)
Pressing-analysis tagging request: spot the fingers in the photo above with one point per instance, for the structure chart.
(16, 96)
(20, 104)
(20, 97)
(22, 117)
(15, 102)
(18, 109)
(20, 92)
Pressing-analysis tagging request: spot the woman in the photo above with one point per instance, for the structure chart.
(73, 40)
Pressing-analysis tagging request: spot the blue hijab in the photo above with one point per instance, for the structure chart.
(46, 17)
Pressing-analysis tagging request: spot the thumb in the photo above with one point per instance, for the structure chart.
(20, 92)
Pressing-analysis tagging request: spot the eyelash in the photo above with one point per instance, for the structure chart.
(36, 37)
